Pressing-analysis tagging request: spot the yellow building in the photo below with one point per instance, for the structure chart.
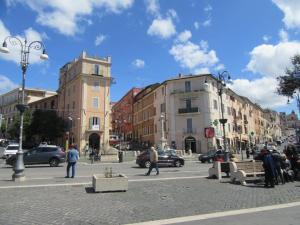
(84, 101)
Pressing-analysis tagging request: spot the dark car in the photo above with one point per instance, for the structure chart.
(166, 157)
(52, 155)
(210, 156)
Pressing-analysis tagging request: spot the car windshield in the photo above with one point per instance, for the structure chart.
(13, 147)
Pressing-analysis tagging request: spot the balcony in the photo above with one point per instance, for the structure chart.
(189, 131)
(178, 91)
(188, 110)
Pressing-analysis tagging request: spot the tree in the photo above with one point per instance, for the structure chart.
(46, 125)
(14, 128)
(289, 84)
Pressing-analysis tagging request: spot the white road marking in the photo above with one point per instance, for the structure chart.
(89, 183)
(217, 214)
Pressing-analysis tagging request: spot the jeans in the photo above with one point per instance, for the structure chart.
(153, 165)
(71, 164)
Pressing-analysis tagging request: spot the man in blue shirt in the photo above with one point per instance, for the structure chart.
(72, 158)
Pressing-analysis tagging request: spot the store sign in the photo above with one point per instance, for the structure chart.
(209, 132)
(95, 127)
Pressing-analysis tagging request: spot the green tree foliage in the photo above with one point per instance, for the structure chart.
(46, 125)
(289, 84)
(14, 129)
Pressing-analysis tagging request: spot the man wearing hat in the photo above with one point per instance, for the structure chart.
(72, 158)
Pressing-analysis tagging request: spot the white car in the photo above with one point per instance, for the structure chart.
(11, 149)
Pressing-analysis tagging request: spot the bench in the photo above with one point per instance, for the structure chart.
(240, 171)
(219, 168)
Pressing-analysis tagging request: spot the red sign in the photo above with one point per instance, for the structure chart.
(209, 132)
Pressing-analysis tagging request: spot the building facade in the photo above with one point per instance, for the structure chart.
(84, 101)
(188, 109)
(122, 115)
(9, 100)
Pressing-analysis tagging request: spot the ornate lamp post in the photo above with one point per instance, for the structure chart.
(25, 50)
(221, 83)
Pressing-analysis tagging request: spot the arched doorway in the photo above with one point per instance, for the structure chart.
(190, 143)
(94, 141)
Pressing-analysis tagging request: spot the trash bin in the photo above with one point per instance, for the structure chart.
(120, 156)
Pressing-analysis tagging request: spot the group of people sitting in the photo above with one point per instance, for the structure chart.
(279, 167)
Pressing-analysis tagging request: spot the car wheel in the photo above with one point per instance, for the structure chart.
(177, 163)
(202, 161)
(147, 164)
(53, 162)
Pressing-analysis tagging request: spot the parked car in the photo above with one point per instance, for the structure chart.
(10, 149)
(51, 154)
(166, 157)
(210, 156)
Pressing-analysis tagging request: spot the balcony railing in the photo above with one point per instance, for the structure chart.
(188, 110)
(177, 91)
(189, 131)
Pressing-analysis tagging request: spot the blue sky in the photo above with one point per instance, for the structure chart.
(154, 40)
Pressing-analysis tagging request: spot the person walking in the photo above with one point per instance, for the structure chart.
(92, 155)
(72, 158)
(153, 160)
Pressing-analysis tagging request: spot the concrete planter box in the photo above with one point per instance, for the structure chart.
(118, 182)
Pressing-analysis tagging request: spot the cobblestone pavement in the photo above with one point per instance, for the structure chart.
(144, 201)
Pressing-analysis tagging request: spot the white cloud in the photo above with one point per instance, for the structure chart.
(208, 8)
(272, 60)
(15, 51)
(193, 56)
(162, 28)
(99, 39)
(266, 38)
(184, 36)
(6, 84)
(153, 7)
(172, 13)
(65, 16)
(283, 35)
(207, 23)
(196, 25)
(291, 10)
(261, 91)
(204, 70)
(138, 63)
(220, 67)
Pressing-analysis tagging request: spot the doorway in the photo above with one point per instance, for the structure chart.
(190, 143)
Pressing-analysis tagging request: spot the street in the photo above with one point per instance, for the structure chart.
(46, 197)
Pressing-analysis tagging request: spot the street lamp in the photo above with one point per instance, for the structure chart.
(221, 83)
(163, 140)
(25, 50)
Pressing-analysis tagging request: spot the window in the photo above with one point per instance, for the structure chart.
(188, 103)
(52, 104)
(187, 86)
(95, 123)
(73, 104)
(228, 111)
(95, 102)
(215, 104)
(163, 107)
(163, 90)
(189, 125)
(68, 107)
(45, 105)
(96, 86)
(97, 69)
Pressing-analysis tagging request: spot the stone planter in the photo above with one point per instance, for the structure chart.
(118, 182)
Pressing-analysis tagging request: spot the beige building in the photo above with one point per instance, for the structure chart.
(9, 100)
(187, 106)
(84, 101)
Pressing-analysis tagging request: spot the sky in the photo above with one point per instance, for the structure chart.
(154, 40)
